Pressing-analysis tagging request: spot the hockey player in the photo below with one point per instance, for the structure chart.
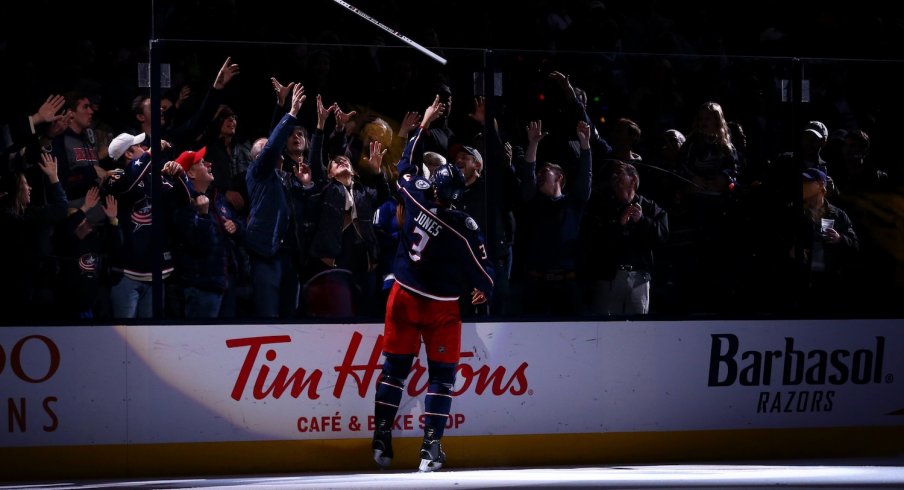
(440, 256)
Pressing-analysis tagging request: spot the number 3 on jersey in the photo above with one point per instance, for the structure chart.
(418, 246)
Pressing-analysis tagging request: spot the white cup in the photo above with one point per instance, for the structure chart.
(826, 224)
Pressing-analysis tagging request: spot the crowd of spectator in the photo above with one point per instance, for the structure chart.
(702, 187)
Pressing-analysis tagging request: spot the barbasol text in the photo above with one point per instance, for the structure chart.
(794, 365)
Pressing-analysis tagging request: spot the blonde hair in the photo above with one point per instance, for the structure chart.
(432, 160)
(722, 134)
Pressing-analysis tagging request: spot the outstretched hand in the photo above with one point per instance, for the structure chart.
(480, 110)
(92, 198)
(59, 124)
(342, 118)
(298, 98)
(184, 94)
(225, 74)
(110, 207)
(282, 91)
(323, 113)
(433, 112)
(376, 155)
(49, 109)
(48, 165)
(535, 132)
(409, 122)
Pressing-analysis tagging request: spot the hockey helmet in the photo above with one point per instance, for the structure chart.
(448, 183)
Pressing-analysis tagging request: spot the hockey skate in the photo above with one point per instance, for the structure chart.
(432, 455)
(382, 445)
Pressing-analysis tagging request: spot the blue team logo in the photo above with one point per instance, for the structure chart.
(471, 224)
(422, 185)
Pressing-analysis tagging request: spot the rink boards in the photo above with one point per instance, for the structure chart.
(107, 401)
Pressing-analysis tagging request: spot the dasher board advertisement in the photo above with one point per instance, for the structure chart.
(124, 385)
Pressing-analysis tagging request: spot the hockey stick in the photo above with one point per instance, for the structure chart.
(397, 34)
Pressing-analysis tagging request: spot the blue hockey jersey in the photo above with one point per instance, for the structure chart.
(441, 252)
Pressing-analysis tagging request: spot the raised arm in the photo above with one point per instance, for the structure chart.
(226, 73)
(433, 111)
(527, 170)
(585, 163)
(269, 156)
(186, 133)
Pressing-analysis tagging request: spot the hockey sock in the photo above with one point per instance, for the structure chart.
(391, 387)
(439, 396)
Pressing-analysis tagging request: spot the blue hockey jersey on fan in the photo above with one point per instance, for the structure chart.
(441, 253)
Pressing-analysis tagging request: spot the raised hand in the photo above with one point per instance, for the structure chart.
(48, 110)
(48, 165)
(342, 118)
(60, 123)
(298, 98)
(433, 112)
(376, 155)
(535, 132)
(323, 113)
(92, 198)
(282, 91)
(110, 207)
(225, 74)
(409, 122)
(184, 94)
(480, 110)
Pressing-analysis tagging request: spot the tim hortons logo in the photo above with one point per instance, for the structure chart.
(299, 381)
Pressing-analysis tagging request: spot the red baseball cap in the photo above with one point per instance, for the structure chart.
(190, 158)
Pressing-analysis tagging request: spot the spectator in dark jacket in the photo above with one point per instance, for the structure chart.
(552, 221)
(26, 254)
(619, 235)
(208, 228)
(273, 261)
(345, 237)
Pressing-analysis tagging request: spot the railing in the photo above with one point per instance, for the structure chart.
(728, 252)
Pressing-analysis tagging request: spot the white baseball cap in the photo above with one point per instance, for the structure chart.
(123, 142)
